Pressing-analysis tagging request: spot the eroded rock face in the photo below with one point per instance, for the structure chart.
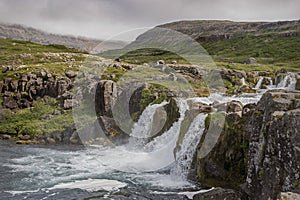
(105, 96)
(21, 93)
(274, 149)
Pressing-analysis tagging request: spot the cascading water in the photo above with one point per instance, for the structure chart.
(288, 82)
(258, 84)
(170, 136)
(143, 129)
(184, 155)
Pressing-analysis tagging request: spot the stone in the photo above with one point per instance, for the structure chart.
(160, 62)
(105, 96)
(5, 137)
(250, 61)
(25, 137)
(70, 74)
(74, 139)
(281, 71)
(50, 140)
(218, 194)
(9, 102)
(234, 106)
(69, 103)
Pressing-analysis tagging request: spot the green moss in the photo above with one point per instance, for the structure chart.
(114, 74)
(149, 96)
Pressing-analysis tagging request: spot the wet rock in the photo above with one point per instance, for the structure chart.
(219, 194)
(281, 71)
(74, 139)
(112, 130)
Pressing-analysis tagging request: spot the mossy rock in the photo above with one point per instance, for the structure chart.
(225, 165)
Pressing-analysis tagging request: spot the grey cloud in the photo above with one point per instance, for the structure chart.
(103, 18)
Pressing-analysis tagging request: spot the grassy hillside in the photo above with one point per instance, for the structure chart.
(273, 45)
(17, 57)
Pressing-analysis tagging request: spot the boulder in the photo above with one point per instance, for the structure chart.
(274, 148)
(234, 106)
(70, 74)
(5, 137)
(250, 61)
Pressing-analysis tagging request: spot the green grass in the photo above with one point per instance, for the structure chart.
(271, 51)
(266, 48)
(30, 121)
(27, 57)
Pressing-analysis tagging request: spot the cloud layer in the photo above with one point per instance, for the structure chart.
(105, 18)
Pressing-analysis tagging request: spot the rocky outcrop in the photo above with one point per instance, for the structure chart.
(259, 145)
(21, 93)
(106, 94)
(226, 164)
(274, 149)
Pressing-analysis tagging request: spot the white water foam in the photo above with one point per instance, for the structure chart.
(188, 147)
(91, 185)
(259, 83)
(288, 82)
(143, 128)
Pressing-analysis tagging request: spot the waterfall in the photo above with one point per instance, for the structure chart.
(188, 147)
(170, 136)
(143, 128)
(258, 85)
(288, 82)
(243, 81)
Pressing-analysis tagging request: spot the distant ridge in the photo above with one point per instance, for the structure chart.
(211, 30)
(20, 32)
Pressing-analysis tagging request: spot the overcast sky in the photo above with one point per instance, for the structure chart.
(105, 18)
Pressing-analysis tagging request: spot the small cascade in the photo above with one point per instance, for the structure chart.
(288, 82)
(259, 83)
(170, 136)
(243, 81)
(143, 128)
(188, 147)
(271, 81)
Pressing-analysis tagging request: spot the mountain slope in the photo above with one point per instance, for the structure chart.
(270, 43)
(20, 32)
